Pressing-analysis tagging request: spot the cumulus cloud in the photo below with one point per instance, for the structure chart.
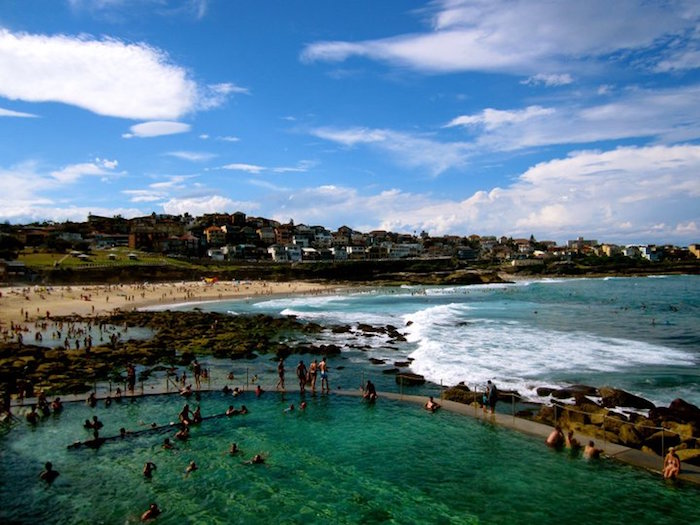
(156, 128)
(73, 172)
(106, 76)
(630, 194)
(206, 204)
(410, 150)
(518, 36)
(31, 193)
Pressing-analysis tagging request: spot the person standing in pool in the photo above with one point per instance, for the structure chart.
(148, 469)
(152, 512)
(280, 373)
(313, 370)
(323, 368)
(197, 368)
(301, 374)
(48, 474)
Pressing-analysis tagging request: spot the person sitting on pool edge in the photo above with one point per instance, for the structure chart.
(431, 405)
(672, 464)
(370, 392)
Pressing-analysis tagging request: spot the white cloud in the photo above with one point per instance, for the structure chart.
(31, 194)
(645, 194)
(206, 204)
(106, 76)
(669, 115)
(144, 195)
(73, 172)
(228, 138)
(156, 128)
(248, 168)
(19, 114)
(171, 182)
(519, 36)
(493, 118)
(194, 156)
(413, 151)
(549, 80)
(301, 167)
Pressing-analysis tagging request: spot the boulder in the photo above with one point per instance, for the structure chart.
(679, 411)
(376, 361)
(661, 440)
(613, 397)
(461, 395)
(573, 390)
(409, 379)
(544, 391)
(689, 455)
(401, 364)
(630, 436)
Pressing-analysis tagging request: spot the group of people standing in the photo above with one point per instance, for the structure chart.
(306, 376)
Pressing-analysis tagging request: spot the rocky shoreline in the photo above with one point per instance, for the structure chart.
(178, 337)
(609, 414)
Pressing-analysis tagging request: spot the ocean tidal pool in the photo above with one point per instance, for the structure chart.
(339, 461)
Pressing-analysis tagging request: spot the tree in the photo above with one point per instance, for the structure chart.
(10, 246)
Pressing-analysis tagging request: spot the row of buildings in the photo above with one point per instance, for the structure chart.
(223, 236)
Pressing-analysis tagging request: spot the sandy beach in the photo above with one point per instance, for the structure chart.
(19, 305)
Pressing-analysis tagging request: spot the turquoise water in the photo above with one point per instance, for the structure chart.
(340, 461)
(640, 334)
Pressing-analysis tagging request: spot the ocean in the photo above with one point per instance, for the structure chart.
(640, 334)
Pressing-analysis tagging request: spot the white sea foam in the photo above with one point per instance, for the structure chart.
(451, 347)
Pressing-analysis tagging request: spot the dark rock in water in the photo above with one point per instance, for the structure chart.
(612, 397)
(409, 323)
(409, 379)
(508, 395)
(678, 411)
(376, 361)
(390, 371)
(341, 367)
(371, 329)
(569, 392)
(562, 393)
(544, 391)
(401, 364)
(341, 329)
(391, 328)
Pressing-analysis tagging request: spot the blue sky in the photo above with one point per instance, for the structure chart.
(495, 117)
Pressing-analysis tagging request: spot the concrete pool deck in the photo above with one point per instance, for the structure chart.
(637, 458)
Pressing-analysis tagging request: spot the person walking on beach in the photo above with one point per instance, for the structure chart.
(280, 373)
(323, 368)
(301, 374)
